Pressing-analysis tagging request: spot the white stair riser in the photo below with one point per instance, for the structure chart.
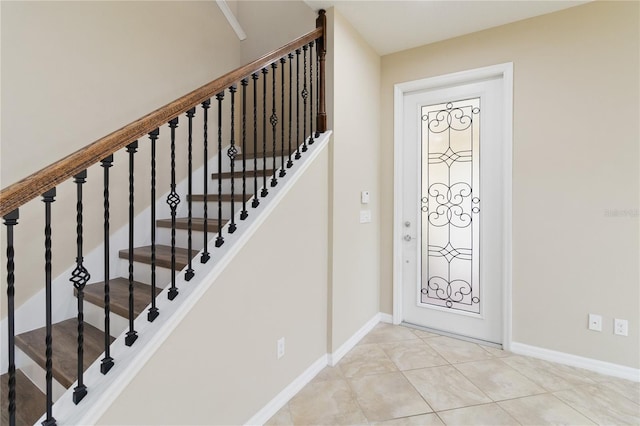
(37, 375)
(163, 236)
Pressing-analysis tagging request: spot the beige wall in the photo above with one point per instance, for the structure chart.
(73, 72)
(219, 366)
(271, 24)
(575, 165)
(353, 81)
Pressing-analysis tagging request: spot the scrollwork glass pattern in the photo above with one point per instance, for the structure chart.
(450, 205)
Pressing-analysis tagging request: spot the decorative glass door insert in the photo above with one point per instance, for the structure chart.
(450, 204)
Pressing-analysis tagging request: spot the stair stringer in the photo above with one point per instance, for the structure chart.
(104, 389)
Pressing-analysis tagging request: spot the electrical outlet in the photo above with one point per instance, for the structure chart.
(621, 327)
(595, 322)
(280, 347)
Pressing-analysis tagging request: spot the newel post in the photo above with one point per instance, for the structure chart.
(321, 49)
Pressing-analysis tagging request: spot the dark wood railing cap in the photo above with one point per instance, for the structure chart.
(41, 181)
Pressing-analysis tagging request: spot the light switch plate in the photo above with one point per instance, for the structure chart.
(365, 216)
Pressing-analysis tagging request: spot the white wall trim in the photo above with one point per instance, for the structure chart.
(279, 401)
(602, 367)
(273, 406)
(386, 318)
(231, 18)
(505, 71)
(130, 360)
(337, 355)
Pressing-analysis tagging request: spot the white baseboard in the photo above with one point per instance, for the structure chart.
(337, 355)
(273, 406)
(591, 364)
(302, 380)
(386, 318)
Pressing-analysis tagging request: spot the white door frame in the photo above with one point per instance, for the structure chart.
(504, 71)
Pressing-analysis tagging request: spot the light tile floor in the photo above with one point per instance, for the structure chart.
(402, 376)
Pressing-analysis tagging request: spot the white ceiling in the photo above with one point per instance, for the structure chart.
(393, 25)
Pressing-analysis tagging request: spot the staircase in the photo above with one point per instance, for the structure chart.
(275, 135)
(31, 400)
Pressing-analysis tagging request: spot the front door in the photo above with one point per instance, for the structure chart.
(452, 209)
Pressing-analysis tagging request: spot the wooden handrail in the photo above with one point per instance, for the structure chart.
(36, 184)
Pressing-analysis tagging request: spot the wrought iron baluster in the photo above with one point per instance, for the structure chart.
(311, 140)
(282, 152)
(173, 199)
(48, 198)
(264, 191)
(205, 253)
(298, 51)
(317, 56)
(153, 310)
(10, 220)
(290, 56)
(107, 361)
(189, 272)
(232, 151)
(274, 121)
(219, 238)
(256, 201)
(79, 278)
(305, 95)
(244, 213)
(132, 335)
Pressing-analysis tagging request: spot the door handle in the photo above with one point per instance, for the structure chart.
(408, 237)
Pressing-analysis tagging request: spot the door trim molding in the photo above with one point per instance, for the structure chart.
(505, 72)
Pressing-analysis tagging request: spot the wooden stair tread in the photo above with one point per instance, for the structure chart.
(163, 256)
(197, 223)
(119, 296)
(211, 198)
(30, 401)
(65, 348)
(238, 174)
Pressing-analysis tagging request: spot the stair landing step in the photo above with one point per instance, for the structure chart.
(213, 198)
(238, 174)
(163, 256)
(197, 223)
(119, 296)
(65, 348)
(30, 401)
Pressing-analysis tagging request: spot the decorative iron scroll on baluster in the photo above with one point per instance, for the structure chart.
(244, 214)
(107, 361)
(290, 56)
(282, 152)
(10, 220)
(264, 191)
(205, 252)
(153, 310)
(305, 95)
(311, 60)
(79, 278)
(256, 201)
(189, 272)
(274, 122)
(232, 152)
(219, 238)
(48, 198)
(132, 335)
(173, 199)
